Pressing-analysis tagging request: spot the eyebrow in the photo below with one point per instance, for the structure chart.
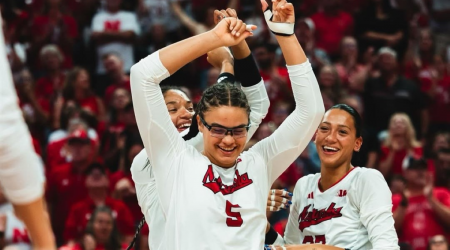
(174, 102)
(339, 125)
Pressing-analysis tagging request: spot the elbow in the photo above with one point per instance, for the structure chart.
(316, 114)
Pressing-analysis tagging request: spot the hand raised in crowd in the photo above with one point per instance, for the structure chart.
(232, 31)
(278, 199)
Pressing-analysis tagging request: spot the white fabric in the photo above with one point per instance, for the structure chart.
(145, 181)
(62, 134)
(355, 213)
(281, 28)
(21, 173)
(196, 217)
(16, 233)
(127, 21)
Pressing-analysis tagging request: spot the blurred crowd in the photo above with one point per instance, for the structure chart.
(389, 59)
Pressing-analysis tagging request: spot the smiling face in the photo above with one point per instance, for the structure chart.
(103, 226)
(336, 139)
(223, 151)
(180, 109)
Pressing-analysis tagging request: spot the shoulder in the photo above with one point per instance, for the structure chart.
(368, 175)
(127, 14)
(307, 181)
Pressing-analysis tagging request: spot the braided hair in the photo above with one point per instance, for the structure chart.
(222, 94)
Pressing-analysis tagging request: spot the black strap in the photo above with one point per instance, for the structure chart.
(247, 71)
(271, 236)
(138, 230)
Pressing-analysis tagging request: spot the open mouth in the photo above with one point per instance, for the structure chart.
(329, 150)
(227, 150)
(183, 126)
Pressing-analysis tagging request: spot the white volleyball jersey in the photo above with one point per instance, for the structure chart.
(355, 213)
(206, 206)
(144, 179)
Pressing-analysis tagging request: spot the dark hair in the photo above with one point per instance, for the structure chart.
(355, 115)
(69, 88)
(114, 239)
(166, 88)
(222, 94)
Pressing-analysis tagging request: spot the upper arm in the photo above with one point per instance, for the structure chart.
(97, 23)
(160, 137)
(259, 103)
(292, 233)
(375, 205)
(281, 148)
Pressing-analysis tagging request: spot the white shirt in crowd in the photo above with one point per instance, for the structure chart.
(119, 21)
(207, 206)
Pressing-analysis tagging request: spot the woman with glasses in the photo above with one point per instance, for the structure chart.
(217, 198)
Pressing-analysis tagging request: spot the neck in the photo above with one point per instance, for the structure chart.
(329, 175)
(118, 78)
(415, 190)
(98, 195)
(80, 166)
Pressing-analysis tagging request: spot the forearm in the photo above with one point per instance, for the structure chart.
(399, 217)
(442, 212)
(292, 51)
(386, 165)
(371, 159)
(227, 67)
(241, 50)
(175, 56)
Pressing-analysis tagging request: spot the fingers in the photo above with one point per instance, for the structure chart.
(238, 28)
(264, 5)
(232, 24)
(242, 29)
(231, 12)
(217, 16)
(280, 192)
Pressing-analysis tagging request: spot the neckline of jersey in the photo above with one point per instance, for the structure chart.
(318, 182)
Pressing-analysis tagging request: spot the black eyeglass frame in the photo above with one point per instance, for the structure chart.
(228, 130)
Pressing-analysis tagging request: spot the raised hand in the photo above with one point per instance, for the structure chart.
(221, 14)
(283, 12)
(231, 31)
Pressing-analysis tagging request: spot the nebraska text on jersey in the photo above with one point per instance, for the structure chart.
(216, 185)
(315, 216)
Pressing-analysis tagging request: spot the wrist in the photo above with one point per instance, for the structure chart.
(212, 39)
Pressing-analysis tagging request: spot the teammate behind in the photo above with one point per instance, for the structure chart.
(21, 172)
(217, 198)
(342, 206)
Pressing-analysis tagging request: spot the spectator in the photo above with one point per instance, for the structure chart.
(440, 141)
(421, 64)
(120, 99)
(50, 85)
(279, 113)
(304, 31)
(438, 242)
(101, 232)
(423, 211)
(53, 27)
(353, 74)
(121, 182)
(153, 12)
(97, 185)
(15, 51)
(77, 89)
(66, 183)
(331, 25)
(114, 31)
(440, 23)
(379, 25)
(397, 184)
(117, 78)
(399, 146)
(330, 84)
(14, 231)
(442, 168)
(369, 152)
(392, 93)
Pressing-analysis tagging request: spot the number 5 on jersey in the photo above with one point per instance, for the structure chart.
(234, 219)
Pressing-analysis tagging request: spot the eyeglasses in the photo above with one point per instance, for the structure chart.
(220, 131)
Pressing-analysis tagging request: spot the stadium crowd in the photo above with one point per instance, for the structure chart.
(389, 59)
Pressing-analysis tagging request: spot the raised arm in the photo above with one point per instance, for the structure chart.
(161, 139)
(294, 134)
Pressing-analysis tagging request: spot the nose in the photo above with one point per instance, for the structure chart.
(186, 114)
(331, 137)
(228, 139)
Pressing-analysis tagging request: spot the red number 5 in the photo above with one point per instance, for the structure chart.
(236, 219)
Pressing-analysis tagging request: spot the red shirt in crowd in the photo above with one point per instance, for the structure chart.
(56, 154)
(329, 30)
(65, 187)
(81, 213)
(439, 107)
(45, 87)
(131, 201)
(399, 157)
(421, 223)
(111, 88)
(274, 90)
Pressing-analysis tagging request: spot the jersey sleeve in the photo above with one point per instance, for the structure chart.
(281, 148)
(374, 200)
(162, 141)
(291, 233)
(259, 103)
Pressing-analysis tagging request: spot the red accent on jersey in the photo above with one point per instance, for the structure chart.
(310, 195)
(314, 217)
(236, 219)
(342, 193)
(112, 25)
(216, 185)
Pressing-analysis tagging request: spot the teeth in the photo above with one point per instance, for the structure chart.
(330, 148)
(185, 125)
(226, 149)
